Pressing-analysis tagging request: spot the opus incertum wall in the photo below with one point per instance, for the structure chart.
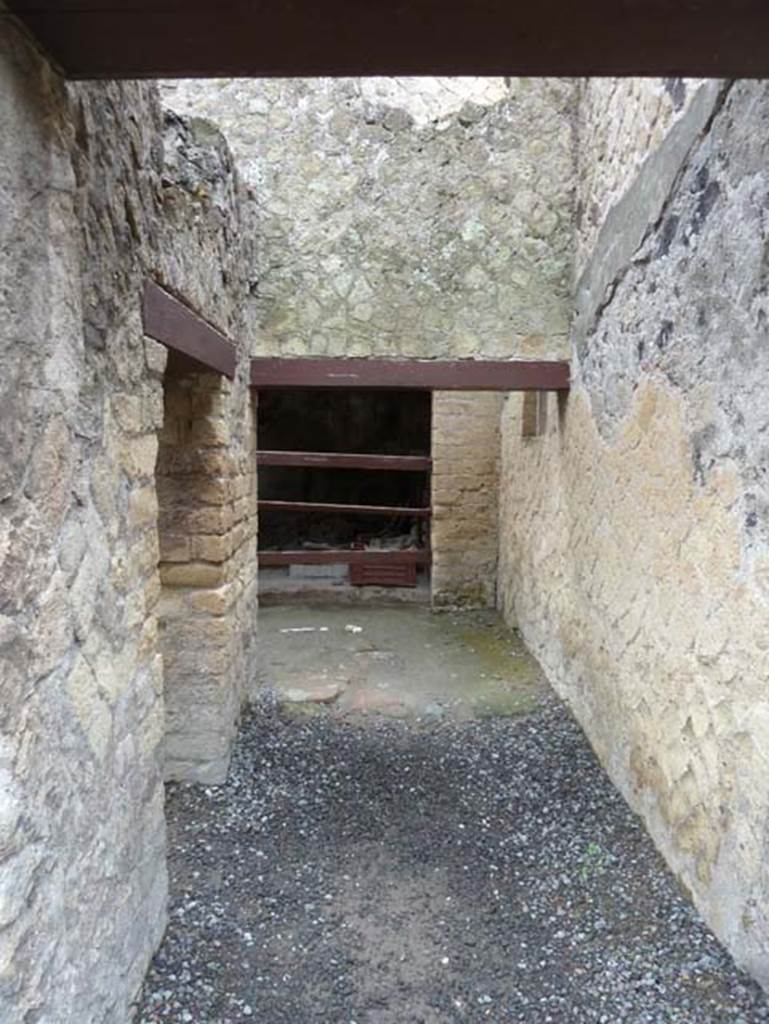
(100, 191)
(407, 219)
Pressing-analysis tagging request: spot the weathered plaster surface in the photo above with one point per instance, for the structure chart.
(627, 219)
(404, 217)
(465, 493)
(87, 208)
(634, 550)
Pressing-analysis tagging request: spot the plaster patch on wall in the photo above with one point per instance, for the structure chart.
(428, 99)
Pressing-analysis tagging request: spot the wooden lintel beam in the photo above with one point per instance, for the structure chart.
(179, 328)
(269, 559)
(417, 374)
(267, 505)
(345, 460)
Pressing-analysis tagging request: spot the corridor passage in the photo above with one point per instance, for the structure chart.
(415, 831)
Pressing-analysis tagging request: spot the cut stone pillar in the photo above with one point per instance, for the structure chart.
(465, 485)
(206, 525)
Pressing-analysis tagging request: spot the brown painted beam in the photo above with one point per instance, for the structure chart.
(175, 325)
(228, 38)
(344, 460)
(419, 374)
(363, 510)
(268, 559)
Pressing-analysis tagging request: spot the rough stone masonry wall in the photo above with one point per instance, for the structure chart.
(635, 533)
(420, 217)
(404, 217)
(87, 209)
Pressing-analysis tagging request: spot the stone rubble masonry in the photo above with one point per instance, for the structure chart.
(421, 217)
(464, 537)
(416, 217)
(634, 550)
(97, 191)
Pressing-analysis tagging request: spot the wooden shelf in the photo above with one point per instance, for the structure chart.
(363, 510)
(350, 557)
(345, 460)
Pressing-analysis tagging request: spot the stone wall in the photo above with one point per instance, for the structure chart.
(88, 208)
(404, 217)
(207, 529)
(411, 217)
(634, 550)
(464, 536)
(620, 123)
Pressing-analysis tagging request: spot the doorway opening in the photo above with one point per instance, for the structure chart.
(344, 494)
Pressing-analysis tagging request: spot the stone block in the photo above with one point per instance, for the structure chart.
(214, 602)
(156, 357)
(175, 547)
(192, 574)
(137, 456)
(202, 519)
(212, 548)
(142, 507)
(128, 412)
(210, 431)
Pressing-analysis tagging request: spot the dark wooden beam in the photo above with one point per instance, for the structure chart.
(363, 510)
(419, 374)
(269, 559)
(176, 326)
(228, 38)
(344, 460)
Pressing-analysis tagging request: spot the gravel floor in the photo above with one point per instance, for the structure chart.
(389, 872)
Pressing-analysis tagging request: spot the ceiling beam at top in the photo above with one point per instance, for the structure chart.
(203, 38)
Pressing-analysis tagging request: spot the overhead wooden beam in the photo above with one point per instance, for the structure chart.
(344, 460)
(269, 559)
(267, 505)
(175, 325)
(418, 374)
(229, 38)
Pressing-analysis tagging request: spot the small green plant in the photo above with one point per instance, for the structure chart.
(593, 861)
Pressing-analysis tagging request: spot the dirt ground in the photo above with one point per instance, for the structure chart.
(415, 830)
